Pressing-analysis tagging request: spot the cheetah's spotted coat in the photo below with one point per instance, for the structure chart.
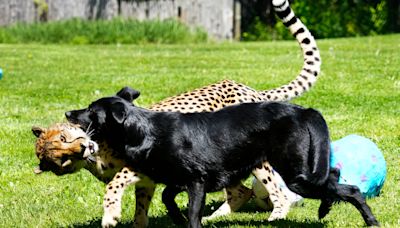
(112, 170)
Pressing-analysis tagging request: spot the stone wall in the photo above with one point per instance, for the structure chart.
(215, 16)
(13, 11)
(86, 9)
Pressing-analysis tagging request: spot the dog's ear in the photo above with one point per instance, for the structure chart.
(37, 131)
(119, 112)
(128, 94)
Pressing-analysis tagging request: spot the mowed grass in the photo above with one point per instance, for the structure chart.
(358, 92)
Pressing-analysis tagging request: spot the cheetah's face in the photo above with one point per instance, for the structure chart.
(63, 148)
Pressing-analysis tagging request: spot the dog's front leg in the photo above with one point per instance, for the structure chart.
(144, 193)
(266, 175)
(197, 197)
(113, 196)
(168, 198)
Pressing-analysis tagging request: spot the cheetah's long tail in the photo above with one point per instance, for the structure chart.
(312, 60)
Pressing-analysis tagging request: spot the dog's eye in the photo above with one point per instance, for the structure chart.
(92, 114)
(63, 139)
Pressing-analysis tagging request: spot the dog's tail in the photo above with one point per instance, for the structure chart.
(312, 60)
(319, 151)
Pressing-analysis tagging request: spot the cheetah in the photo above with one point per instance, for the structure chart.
(106, 166)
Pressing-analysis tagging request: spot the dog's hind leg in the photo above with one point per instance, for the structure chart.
(348, 193)
(324, 208)
(235, 198)
(168, 198)
(331, 191)
(266, 175)
(326, 203)
(352, 194)
(197, 196)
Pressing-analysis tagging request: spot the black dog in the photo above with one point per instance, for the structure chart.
(205, 152)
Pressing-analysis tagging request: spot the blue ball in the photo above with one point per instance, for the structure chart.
(1, 73)
(361, 163)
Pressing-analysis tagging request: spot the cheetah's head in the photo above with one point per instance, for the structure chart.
(63, 148)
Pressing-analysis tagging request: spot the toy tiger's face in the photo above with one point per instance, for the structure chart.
(63, 148)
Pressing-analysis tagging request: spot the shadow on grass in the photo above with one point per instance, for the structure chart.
(165, 222)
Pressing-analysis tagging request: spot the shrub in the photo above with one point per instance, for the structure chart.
(327, 19)
(77, 31)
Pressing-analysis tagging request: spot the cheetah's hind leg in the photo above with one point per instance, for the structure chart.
(235, 198)
(280, 201)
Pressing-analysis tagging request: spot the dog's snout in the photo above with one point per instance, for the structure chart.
(80, 117)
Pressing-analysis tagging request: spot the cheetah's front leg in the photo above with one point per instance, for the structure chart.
(113, 196)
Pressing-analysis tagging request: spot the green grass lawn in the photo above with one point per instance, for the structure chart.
(358, 92)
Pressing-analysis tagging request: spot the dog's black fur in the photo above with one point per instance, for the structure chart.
(205, 152)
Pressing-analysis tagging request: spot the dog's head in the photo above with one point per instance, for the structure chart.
(104, 114)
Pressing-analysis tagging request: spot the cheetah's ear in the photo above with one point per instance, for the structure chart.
(128, 94)
(37, 131)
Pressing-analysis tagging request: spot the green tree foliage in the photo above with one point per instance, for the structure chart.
(332, 18)
(342, 18)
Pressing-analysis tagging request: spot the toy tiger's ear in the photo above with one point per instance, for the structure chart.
(128, 94)
(37, 131)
